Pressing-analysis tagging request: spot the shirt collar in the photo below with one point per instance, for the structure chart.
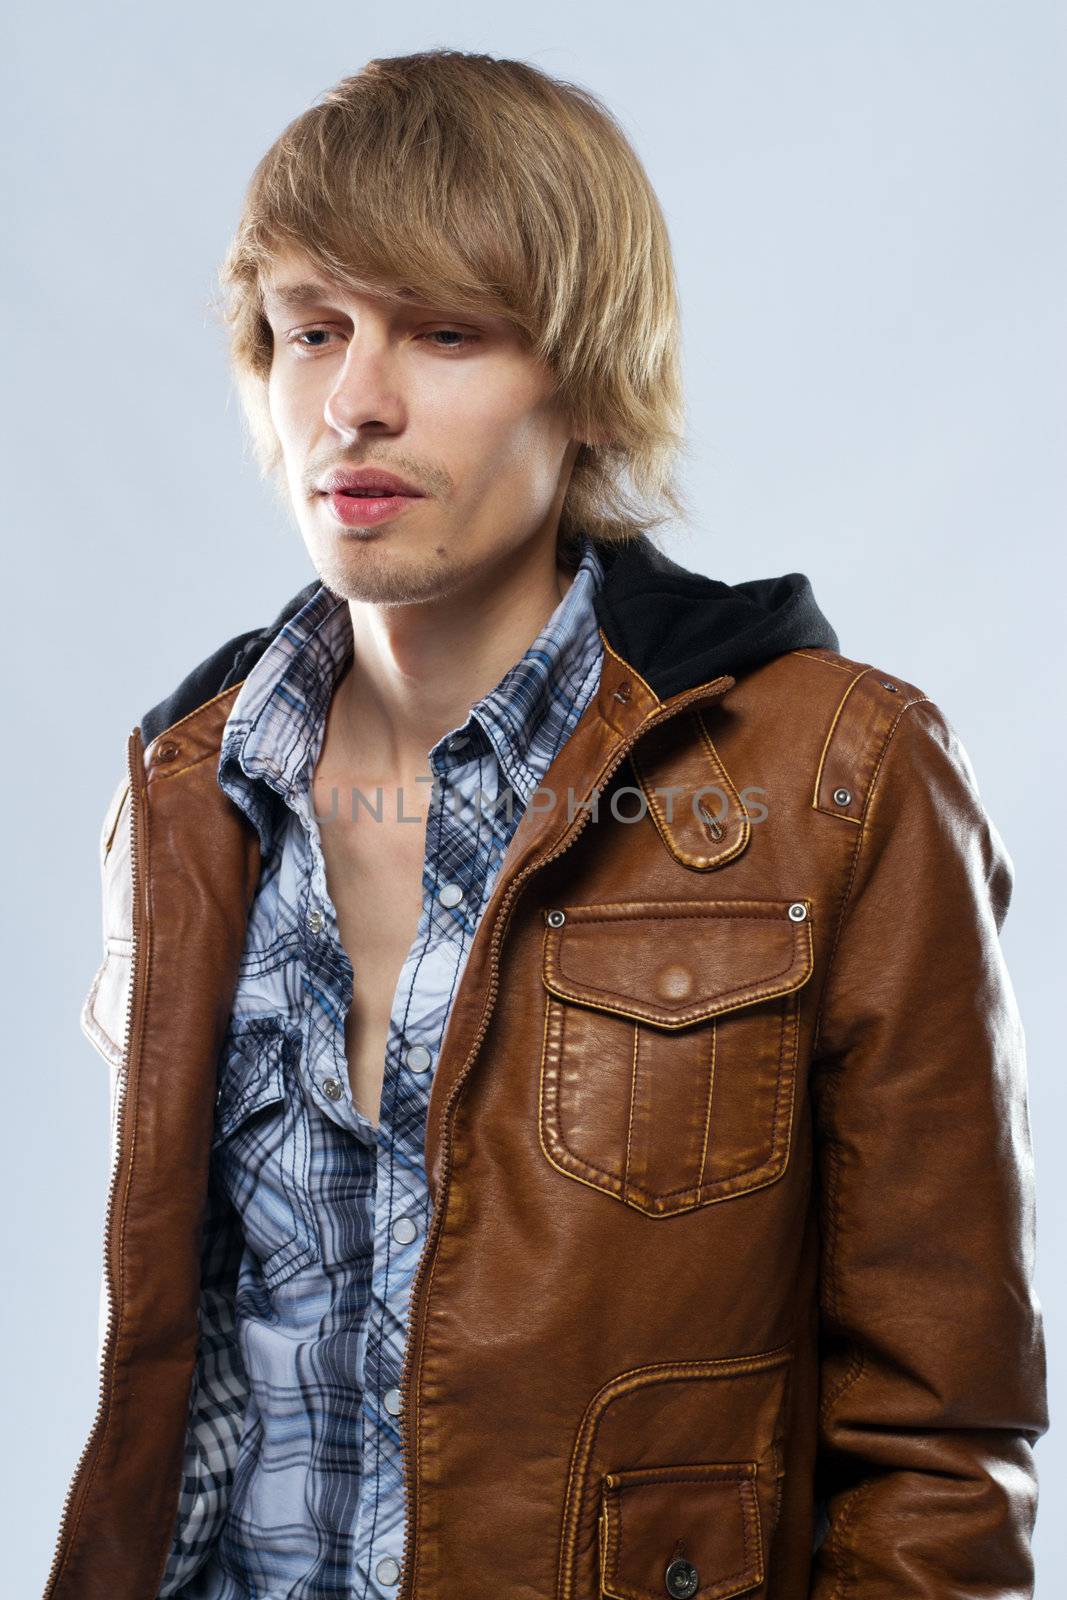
(276, 725)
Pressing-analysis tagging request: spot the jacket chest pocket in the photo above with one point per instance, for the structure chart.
(262, 1146)
(669, 1054)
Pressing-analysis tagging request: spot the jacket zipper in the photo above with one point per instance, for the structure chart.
(135, 762)
(703, 691)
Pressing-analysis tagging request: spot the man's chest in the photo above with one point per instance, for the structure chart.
(374, 874)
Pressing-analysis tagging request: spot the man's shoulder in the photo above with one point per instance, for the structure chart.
(816, 680)
(835, 718)
(221, 670)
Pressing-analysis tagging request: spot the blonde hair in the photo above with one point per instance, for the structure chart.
(485, 185)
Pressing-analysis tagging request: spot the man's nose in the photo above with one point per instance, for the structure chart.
(366, 394)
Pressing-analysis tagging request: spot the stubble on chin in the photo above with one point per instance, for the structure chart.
(355, 569)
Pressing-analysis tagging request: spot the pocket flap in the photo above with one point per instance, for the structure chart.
(689, 1531)
(251, 1073)
(680, 961)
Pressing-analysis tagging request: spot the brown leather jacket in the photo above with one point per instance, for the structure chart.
(728, 1288)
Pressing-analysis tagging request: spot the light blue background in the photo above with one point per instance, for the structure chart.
(866, 203)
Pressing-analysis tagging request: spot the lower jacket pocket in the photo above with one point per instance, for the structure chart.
(692, 1532)
(262, 1146)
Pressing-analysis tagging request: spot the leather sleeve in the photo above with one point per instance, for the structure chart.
(932, 1357)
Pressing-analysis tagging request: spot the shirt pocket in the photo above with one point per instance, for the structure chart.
(669, 1049)
(262, 1146)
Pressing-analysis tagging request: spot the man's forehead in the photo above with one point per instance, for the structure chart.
(296, 282)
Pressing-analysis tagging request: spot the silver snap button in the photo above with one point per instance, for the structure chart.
(450, 894)
(681, 1579)
(842, 797)
(387, 1570)
(890, 686)
(333, 1087)
(404, 1230)
(798, 911)
(556, 919)
(418, 1058)
(391, 1399)
(316, 921)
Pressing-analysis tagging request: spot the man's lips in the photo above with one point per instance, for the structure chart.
(368, 482)
(362, 510)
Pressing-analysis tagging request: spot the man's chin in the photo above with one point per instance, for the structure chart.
(358, 568)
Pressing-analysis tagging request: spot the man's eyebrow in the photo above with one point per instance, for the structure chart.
(295, 296)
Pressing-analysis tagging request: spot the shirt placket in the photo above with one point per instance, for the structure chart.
(457, 874)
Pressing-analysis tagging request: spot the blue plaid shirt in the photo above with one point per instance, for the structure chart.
(292, 1480)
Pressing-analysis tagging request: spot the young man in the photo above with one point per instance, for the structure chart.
(569, 1106)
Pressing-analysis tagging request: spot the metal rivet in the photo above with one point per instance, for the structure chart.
(623, 691)
(842, 797)
(890, 686)
(798, 911)
(681, 1579)
(167, 751)
(555, 919)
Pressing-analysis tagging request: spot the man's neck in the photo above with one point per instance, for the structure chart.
(417, 671)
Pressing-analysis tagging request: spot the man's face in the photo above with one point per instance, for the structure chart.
(454, 405)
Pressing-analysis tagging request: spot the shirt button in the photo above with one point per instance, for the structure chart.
(450, 894)
(333, 1087)
(418, 1058)
(392, 1401)
(316, 920)
(404, 1230)
(387, 1570)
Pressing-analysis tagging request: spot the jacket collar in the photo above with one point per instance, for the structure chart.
(674, 627)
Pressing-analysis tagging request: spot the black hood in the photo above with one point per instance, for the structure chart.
(676, 627)
(679, 628)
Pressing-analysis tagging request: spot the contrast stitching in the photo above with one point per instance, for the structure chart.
(726, 1186)
(829, 736)
(708, 1102)
(838, 666)
(553, 973)
(630, 1117)
(857, 852)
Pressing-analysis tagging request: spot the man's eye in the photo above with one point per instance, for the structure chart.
(318, 338)
(310, 333)
(454, 333)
